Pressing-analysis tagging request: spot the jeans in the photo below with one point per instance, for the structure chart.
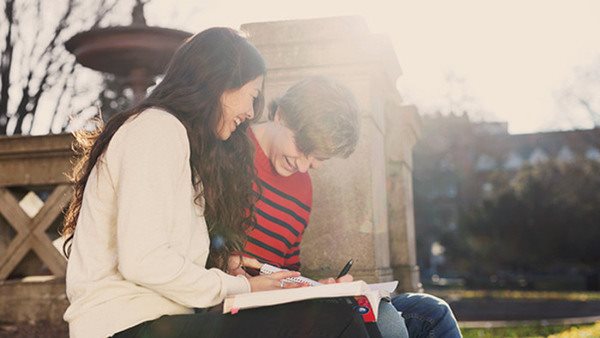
(426, 316)
(390, 322)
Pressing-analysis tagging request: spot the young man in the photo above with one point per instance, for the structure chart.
(315, 120)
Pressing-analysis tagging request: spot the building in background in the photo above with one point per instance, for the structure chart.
(458, 163)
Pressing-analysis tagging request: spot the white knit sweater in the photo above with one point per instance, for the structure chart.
(141, 242)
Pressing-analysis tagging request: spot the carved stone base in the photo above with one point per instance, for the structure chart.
(33, 299)
(408, 278)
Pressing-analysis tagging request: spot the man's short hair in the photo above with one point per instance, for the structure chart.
(323, 115)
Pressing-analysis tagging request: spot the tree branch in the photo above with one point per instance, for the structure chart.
(65, 77)
(6, 59)
(594, 115)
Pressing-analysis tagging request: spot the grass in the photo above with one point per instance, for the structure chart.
(522, 331)
(578, 331)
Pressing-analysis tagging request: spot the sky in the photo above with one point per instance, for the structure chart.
(500, 60)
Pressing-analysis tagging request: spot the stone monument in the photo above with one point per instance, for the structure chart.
(362, 206)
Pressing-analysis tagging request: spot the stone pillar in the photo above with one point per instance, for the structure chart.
(403, 130)
(350, 208)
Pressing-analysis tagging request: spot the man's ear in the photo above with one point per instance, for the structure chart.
(277, 116)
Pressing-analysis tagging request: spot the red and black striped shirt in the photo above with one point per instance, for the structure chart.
(282, 214)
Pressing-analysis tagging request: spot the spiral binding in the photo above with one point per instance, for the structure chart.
(267, 269)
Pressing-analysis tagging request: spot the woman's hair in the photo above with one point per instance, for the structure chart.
(202, 69)
(323, 115)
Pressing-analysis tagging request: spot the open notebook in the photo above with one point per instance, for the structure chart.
(367, 296)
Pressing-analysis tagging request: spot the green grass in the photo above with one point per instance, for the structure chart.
(522, 331)
(576, 331)
(580, 331)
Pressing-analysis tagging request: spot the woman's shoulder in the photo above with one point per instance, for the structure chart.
(156, 118)
(150, 127)
(154, 122)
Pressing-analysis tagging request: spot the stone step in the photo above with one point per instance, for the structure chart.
(35, 299)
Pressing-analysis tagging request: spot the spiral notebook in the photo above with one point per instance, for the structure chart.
(267, 269)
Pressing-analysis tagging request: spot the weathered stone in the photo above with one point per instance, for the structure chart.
(349, 217)
(403, 132)
(350, 208)
(35, 160)
(33, 300)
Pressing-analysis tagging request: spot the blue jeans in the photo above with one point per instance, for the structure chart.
(426, 316)
(390, 322)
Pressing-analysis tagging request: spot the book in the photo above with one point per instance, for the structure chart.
(366, 296)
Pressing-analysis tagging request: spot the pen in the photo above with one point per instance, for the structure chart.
(345, 269)
(251, 271)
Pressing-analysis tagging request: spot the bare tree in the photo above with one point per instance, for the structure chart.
(579, 97)
(456, 97)
(33, 60)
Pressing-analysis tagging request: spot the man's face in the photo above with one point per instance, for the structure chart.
(284, 154)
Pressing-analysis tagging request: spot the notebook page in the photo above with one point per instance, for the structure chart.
(273, 297)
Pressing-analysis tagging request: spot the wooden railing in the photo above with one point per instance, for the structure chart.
(34, 191)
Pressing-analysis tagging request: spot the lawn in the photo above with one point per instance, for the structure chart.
(577, 331)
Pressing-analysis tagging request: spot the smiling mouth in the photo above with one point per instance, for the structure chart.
(237, 121)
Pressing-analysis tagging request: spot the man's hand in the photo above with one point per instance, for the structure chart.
(237, 262)
(344, 279)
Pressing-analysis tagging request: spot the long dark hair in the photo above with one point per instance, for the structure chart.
(202, 69)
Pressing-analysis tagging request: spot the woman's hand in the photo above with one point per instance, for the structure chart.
(344, 279)
(273, 281)
(236, 263)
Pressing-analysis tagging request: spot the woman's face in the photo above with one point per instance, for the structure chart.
(238, 105)
(284, 154)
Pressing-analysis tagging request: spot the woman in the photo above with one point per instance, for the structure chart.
(145, 190)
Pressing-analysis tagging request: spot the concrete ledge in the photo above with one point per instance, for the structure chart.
(33, 299)
(35, 160)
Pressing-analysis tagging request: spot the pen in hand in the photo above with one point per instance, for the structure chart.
(345, 269)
